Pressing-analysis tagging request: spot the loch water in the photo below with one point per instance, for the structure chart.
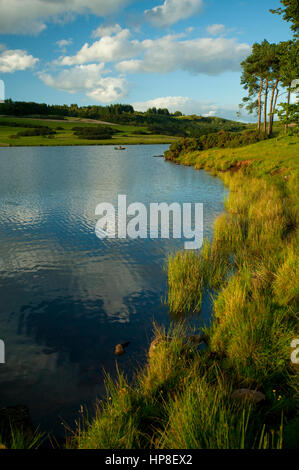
(67, 297)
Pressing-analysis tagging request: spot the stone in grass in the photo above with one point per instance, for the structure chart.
(154, 344)
(246, 394)
(195, 339)
(119, 349)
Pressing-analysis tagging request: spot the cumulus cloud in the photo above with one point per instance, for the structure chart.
(210, 56)
(88, 79)
(109, 89)
(216, 29)
(172, 11)
(30, 16)
(188, 106)
(14, 60)
(106, 30)
(108, 48)
(177, 103)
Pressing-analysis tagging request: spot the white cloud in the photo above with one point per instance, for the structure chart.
(188, 106)
(175, 103)
(130, 66)
(216, 29)
(63, 43)
(109, 89)
(88, 79)
(30, 16)
(106, 30)
(210, 56)
(14, 60)
(172, 11)
(106, 49)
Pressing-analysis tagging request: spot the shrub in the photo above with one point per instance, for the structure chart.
(39, 131)
(221, 139)
(94, 133)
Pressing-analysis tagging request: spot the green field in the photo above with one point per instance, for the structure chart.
(125, 135)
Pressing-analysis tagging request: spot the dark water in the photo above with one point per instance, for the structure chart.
(67, 298)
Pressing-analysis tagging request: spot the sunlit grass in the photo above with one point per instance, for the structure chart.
(203, 416)
(190, 272)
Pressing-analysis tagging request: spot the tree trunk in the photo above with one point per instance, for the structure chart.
(275, 100)
(260, 105)
(287, 114)
(270, 127)
(265, 106)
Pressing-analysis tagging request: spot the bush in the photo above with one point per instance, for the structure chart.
(221, 139)
(94, 133)
(39, 131)
(167, 128)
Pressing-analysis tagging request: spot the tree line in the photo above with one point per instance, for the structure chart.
(270, 72)
(23, 108)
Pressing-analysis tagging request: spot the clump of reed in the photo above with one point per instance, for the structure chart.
(189, 273)
(204, 416)
(252, 331)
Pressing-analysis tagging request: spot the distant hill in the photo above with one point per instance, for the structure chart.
(156, 121)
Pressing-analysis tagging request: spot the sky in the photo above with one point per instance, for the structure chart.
(180, 54)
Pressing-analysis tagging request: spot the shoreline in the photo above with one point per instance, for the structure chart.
(245, 375)
(2, 145)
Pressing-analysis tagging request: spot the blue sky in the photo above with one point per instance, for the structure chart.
(180, 54)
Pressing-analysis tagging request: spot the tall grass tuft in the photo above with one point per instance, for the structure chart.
(189, 273)
(203, 416)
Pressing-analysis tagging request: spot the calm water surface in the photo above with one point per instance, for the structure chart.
(67, 298)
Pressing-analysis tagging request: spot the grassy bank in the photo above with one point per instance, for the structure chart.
(184, 397)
